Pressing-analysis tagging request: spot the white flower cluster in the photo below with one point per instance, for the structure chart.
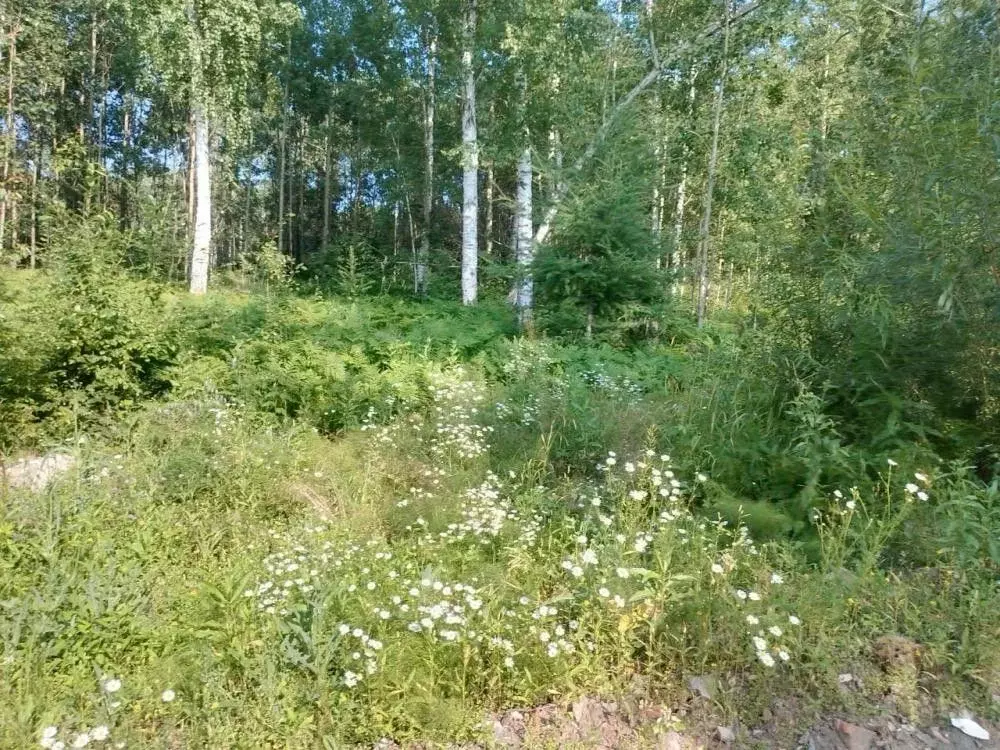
(456, 411)
(362, 650)
(615, 386)
(486, 514)
(56, 738)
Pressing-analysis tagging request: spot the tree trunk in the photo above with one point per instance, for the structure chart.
(677, 255)
(201, 251)
(8, 150)
(420, 268)
(283, 155)
(201, 248)
(704, 232)
(524, 299)
(470, 164)
(189, 185)
(489, 209)
(326, 186)
(300, 213)
(33, 207)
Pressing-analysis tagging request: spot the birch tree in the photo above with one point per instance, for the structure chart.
(470, 162)
(422, 261)
(201, 250)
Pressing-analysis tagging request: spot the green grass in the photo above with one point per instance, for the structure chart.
(361, 444)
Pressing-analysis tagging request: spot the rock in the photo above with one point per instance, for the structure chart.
(969, 727)
(35, 474)
(854, 737)
(504, 736)
(673, 741)
(726, 734)
(845, 678)
(386, 744)
(588, 714)
(704, 685)
(936, 733)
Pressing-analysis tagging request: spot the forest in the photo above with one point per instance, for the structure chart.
(500, 374)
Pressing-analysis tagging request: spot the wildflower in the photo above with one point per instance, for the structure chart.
(637, 495)
(851, 505)
(544, 636)
(777, 579)
(701, 477)
(741, 594)
(794, 620)
(783, 655)
(775, 631)
(589, 557)
(619, 601)
(640, 544)
(921, 477)
(508, 662)
(892, 463)
(753, 596)
(912, 488)
(49, 737)
(603, 592)
(344, 629)
(630, 467)
(100, 733)
(112, 685)
(922, 496)
(717, 569)
(759, 643)
(552, 650)
(751, 620)
(168, 695)
(576, 571)
(622, 572)
(765, 658)
(81, 740)
(838, 494)
(610, 461)
(351, 679)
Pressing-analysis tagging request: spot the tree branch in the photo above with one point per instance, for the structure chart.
(660, 62)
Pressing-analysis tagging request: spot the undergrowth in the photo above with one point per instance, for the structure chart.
(307, 522)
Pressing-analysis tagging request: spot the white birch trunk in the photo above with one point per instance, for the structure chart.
(420, 266)
(201, 251)
(524, 299)
(470, 165)
(489, 209)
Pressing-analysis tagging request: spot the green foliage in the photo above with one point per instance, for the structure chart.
(601, 261)
(85, 339)
(109, 345)
(268, 268)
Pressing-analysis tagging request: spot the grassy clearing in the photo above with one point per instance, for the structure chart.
(337, 525)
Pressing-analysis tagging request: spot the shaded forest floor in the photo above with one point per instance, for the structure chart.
(327, 523)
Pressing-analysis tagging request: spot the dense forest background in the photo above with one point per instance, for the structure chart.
(822, 174)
